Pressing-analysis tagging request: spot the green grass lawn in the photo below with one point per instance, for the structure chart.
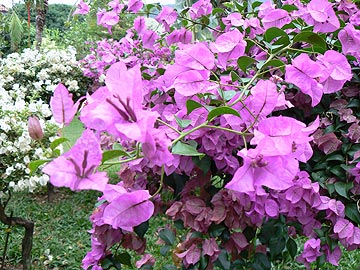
(61, 239)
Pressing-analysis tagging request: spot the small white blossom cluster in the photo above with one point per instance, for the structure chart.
(27, 81)
(35, 74)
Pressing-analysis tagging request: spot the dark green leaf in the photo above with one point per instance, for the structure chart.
(312, 38)
(220, 111)
(234, 76)
(110, 154)
(355, 103)
(227, 95)
(244, 62)
(106, 263)
(281, 37)
(164, 250)
(223, 261)
(289, 7)
(167, 236)
(123, 258)
(204, 163)
(275, 63)
(335, 157)
(192, 105)
(57, 142)
(216, 230)
(185, 149)
(343, 188)
(216, 11)
(262, 261)
(352, 212)
(291, 247)
(34, 165)
(276, 246)
(183, 123)
(141, 229)
(338, 171)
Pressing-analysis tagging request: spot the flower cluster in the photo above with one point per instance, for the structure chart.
(231, 127)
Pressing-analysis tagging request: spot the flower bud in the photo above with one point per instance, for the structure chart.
(34, 127)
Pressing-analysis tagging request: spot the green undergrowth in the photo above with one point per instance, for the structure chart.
(60, 235)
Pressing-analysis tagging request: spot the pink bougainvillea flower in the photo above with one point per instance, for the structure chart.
(229, 46)
(182, 35)
(322, 15)
(129, 210)
(117, 108)
(311, 251)
(195, 56)
(264, 98)
(339, 69)
(62, 105)
(148, 38)
(82, 8)
(139, 24)
(200, 8)
(167, 17)
(276, 18)
(116, 6)
(265, 8)
(135, 5)
(233, 19)
(76, 168)
(108, 19)
(350, 40)
(306, 74)
(281, 135)
(274, 172)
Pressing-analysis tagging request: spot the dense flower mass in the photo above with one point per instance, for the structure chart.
(245, 138)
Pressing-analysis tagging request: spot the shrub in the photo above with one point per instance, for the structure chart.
(246, 140)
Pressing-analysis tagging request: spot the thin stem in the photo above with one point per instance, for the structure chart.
(161, 183)
(184, 134)
(169, 126)
(122, 161)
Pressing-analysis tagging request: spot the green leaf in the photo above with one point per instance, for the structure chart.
(192, 105)
(291, 247)
(72, 132)
(338, 171)
(335, 157)
(107, 155)
(203, 163)
(141, 229)
(244, 62)
(34, 165)
(216, 11)
(167, 236)
(261, 262)
(234, 76)
(276, 246)
(123, 258)
(183, 123)
(352, 212)
(279, 34)
(220, 111)
(185, 149)
(223, 261)
(164, 250)
(289, 8)
(343, 188)
(312, 38)
(57, 142)
(275, 63)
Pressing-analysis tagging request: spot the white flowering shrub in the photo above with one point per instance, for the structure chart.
(27, 81)
(35, 74)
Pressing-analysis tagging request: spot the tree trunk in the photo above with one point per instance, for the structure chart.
(28, 236)
(41, 10)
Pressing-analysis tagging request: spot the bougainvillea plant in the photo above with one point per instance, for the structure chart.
(239, 122)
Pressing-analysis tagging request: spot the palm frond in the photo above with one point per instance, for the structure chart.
(16, 31)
